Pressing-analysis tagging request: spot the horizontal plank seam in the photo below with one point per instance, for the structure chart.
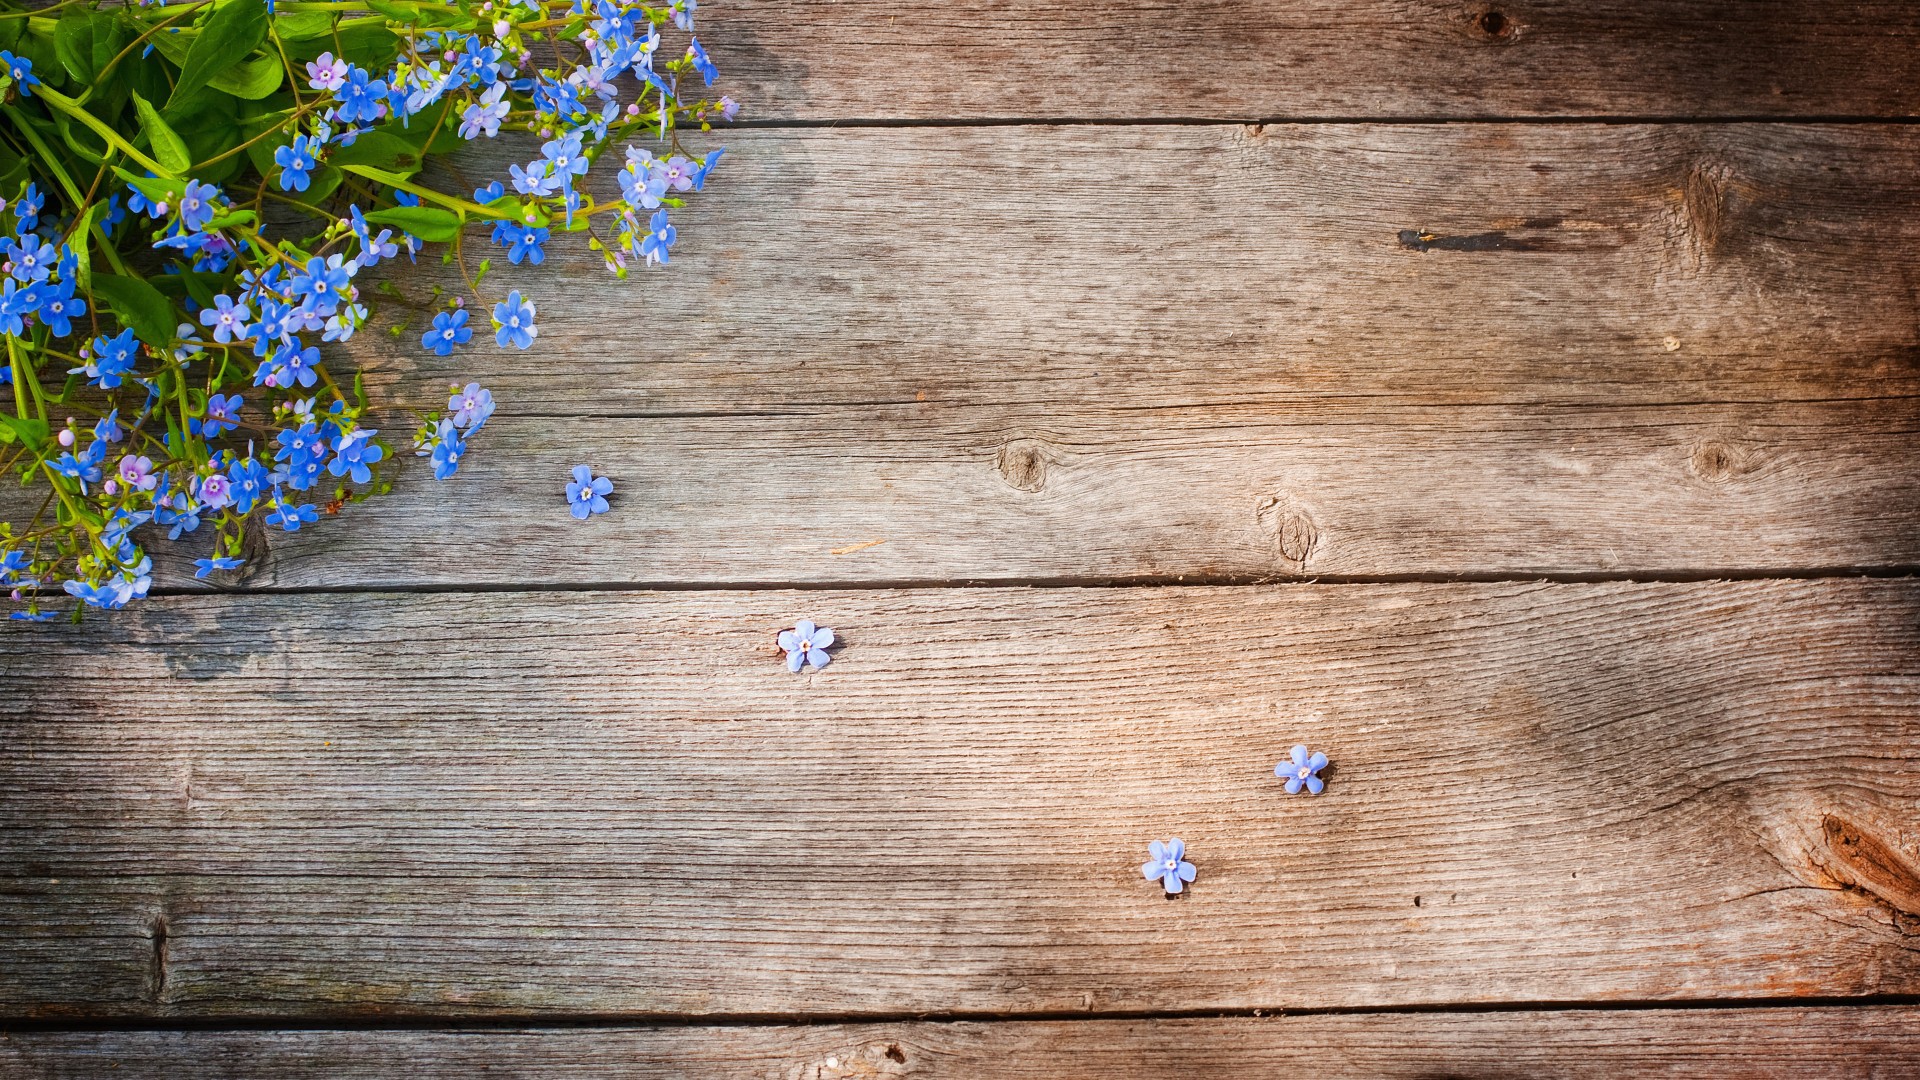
(1908, 571)
(1381, 401)
(1331, 121)
(556, 1022)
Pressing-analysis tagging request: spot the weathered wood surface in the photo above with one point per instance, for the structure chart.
(1253, 59)
(1245, 493)
(1750, 1043)
(1054, 268)
(622, 804)
(1114, 353)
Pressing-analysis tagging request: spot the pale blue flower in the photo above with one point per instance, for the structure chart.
(515, 319)
(587, 495)
(1301, 770)
(807, 644)
(1166, 864)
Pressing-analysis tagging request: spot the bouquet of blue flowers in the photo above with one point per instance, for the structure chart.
(190, 194)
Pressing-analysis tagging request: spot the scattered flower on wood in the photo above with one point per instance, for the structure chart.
(1302, 770)
(1166, 864)
(807, 644)
(587, 494)
(190, 193)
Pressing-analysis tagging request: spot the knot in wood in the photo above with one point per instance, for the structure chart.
(1864, 862)
(1023, 463)
(1718, 461)
(1294, 533)
(1489, 23)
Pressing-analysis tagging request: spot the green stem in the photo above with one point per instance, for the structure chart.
(19, 384)
(72, 108)
(72, 189)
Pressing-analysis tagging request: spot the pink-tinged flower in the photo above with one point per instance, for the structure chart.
(326, 73)
(137, 473)
(216, 491)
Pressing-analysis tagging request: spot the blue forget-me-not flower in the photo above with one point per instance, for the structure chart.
(807, 644)
(1302, 770)
(1166, 863)
(587, 495)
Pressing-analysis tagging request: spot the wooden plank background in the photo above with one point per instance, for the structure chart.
(1013, 361)
(622, 803)
(1761, 1044)
(1258, 59)
(1615, 293)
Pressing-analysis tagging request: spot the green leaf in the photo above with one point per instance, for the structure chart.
(238, 217)
(157, 188)
(380, 149)
(226, 38)
(73, 44)
(30, 431)
(303, 25)
(139, 306)
(252, 80)
(395, 12)
(80, 139)
(325, 181)
(366, 42)
(425, 222)
(168, 149)
(82, 250)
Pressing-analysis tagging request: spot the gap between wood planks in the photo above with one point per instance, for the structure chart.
(1816, 573)
(600, 1020)
(1326, 121)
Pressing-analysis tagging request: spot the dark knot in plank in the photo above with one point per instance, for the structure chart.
(1867, 864)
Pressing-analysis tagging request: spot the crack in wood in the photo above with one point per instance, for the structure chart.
(157, 931)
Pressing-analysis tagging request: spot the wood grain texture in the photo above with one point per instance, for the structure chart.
(1250, 493)
(622, 804)
(1051, 268)
(1113, 353)
(1253, 59)
(1751, 1044)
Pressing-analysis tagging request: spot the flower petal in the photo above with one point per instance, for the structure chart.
(822, 637)
(1315, 785)
(1293, 785)
(1187, 871)
(1157, 851)
(804, 628)
(579, 510)
(1150, 869)
(795, 659)
(788, 641)
(1176, 849)
(818, 658)
(1317, 762)
(582, 474)
(602, 486)
(1298, 754)
(1171, 882)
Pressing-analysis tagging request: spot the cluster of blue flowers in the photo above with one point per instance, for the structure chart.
(232, 410)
